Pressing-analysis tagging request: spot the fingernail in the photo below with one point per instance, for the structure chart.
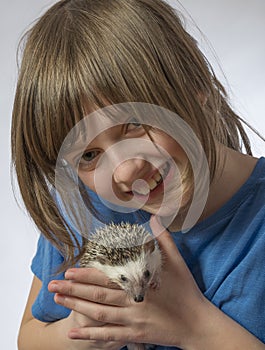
(73, 334)
(59, 299)
(53, 286)
(69, 274)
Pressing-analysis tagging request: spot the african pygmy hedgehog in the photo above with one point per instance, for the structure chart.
(129, 255)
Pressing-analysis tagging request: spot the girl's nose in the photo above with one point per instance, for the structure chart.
(130, 170)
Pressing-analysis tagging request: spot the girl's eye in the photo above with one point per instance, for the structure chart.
(88, 158)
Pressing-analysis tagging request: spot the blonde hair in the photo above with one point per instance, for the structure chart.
(114, 50)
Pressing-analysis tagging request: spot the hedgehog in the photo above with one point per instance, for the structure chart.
(129, 256)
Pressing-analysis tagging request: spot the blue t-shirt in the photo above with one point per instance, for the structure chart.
(225, 253)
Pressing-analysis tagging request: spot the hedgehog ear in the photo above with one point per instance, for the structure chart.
(102, 259)
(149, 246)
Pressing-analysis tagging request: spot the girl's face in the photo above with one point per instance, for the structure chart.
(123, 166)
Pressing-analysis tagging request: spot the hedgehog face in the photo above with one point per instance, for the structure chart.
(134, 269)
(135, 276)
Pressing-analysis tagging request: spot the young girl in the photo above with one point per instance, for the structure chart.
(119, 117)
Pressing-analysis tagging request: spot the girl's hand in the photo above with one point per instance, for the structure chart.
(168, 316)
(77, 319)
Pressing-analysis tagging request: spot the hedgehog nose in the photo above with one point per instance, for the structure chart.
(138, 298)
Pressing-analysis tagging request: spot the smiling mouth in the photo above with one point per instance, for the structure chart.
(151, 184)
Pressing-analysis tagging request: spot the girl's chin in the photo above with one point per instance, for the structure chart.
(157, 206)
(163, 211)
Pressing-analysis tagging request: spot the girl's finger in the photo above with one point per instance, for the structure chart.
(89, 292)
(97, 312)
(108, 333)
(90, 276)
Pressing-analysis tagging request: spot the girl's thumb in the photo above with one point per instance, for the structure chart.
(163, 237)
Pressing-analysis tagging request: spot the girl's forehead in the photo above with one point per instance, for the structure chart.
(96, 123)
(103, 122)
(100, 120)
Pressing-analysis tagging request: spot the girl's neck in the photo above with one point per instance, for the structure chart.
(233, 170)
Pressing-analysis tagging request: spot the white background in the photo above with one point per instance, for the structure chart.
(236, 30)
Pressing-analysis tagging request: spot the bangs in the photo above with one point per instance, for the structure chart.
(89, 54)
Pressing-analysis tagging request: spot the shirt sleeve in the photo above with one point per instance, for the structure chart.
(45, 265)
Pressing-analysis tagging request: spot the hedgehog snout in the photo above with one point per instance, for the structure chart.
(139, 298)
(139, 293)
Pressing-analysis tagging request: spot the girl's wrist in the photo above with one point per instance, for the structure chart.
(204, 326)
(213, 329)
(198, 326)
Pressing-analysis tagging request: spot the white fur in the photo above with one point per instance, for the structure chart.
(134, 272)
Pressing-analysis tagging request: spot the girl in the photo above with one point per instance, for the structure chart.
(118, 117)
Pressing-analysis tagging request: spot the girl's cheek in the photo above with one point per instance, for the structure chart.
(101, 187)
(87, 179)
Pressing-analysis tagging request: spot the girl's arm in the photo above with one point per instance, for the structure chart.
(37, 335)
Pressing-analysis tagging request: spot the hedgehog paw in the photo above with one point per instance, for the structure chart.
(155, 284)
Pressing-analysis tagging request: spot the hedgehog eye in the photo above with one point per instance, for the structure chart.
(147, 274)
(123, 278)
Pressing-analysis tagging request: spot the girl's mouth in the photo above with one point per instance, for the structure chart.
(153, 185)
